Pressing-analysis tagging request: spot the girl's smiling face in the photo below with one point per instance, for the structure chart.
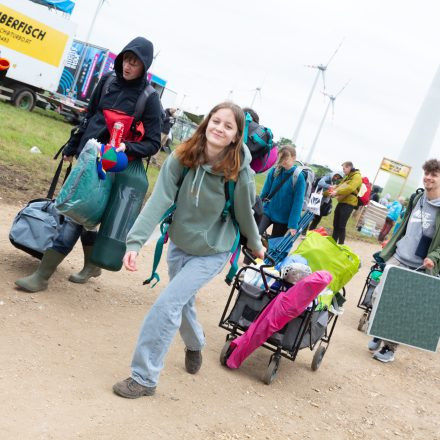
(222, 129)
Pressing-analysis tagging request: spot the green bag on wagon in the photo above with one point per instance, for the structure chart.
(323, 253)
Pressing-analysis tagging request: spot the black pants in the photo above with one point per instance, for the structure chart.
(342, 214)
(278, 229)
(313, 224)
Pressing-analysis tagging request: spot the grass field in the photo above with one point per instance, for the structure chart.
(25, 175)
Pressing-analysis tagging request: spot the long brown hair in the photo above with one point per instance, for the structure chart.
(191, 153)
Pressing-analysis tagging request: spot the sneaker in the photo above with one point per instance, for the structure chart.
(374, 344)
(384, 355)
(193, 361)
(130, 389)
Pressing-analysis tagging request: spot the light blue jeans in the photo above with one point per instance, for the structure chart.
(173, 310)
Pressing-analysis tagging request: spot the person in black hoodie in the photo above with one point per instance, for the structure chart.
(111, 98)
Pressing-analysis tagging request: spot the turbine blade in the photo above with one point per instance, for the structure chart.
(335, 52)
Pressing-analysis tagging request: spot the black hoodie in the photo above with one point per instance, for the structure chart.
(122, 95)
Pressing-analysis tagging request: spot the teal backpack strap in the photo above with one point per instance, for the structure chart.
(235, 249)
(247, 121)
(165, 223)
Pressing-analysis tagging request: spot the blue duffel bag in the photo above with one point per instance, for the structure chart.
(36, 225)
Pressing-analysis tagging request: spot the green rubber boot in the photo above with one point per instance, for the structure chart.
(39, 280)
(88, 271)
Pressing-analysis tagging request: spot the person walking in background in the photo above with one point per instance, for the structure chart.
(394, 210)
(375, 193)
(416, 243)
(385, 200)
(110, 99)
(201, 238)
(346, 194)
(324, 184)
(282, 200)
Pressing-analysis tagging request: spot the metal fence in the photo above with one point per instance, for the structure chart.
(183, 129)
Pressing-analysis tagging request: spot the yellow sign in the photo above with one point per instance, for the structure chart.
(31, 37)
(394, 167)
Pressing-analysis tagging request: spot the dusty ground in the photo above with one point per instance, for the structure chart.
(62, 350)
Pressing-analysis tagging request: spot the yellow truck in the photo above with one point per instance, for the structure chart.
(35, 40)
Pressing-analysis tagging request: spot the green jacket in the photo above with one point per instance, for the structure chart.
(346, 191)
(433, 251)
(197, 227)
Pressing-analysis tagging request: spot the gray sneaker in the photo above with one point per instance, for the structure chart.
(374, 344)
(193, 361)
(384, 355)
(130, 389)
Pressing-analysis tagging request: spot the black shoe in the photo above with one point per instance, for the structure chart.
(193, 361)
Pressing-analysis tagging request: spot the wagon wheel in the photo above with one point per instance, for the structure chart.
(272, 370)
(363, 322)
(317, 357)
(224, 354)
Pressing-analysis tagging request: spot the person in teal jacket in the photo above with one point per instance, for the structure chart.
(282, 199)
(201, 238)
(394, 210)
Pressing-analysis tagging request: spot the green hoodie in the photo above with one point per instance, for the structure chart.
(197, 226)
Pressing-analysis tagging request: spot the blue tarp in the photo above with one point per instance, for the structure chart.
(62, 5)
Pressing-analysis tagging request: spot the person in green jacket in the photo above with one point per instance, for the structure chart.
(416, 243)
(200, 238)
(346, 194)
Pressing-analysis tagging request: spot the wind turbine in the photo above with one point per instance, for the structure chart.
(331, 102)
(257, 92)
(321, 72)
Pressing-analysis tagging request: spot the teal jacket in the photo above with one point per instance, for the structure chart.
(286, 205)
(197, 226)
(434, 249)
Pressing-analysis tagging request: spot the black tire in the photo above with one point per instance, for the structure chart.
(225, 353)
(24, 99)
(362, 322)
(272, 370)
(317, 357)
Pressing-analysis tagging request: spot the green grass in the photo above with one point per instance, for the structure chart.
(28, 173)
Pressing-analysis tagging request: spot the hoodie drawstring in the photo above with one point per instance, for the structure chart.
(200, 184)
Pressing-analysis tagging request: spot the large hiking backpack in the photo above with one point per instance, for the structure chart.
(309, 177)
(259, 140)
(364, 192)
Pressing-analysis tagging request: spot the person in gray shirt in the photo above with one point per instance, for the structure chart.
(417, 241)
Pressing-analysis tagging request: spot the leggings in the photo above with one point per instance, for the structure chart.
(342, 214)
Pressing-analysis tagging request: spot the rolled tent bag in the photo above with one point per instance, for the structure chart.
(128, 192)
(84, 195)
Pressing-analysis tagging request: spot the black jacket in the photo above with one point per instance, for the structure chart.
(168, 122)
(122, 95)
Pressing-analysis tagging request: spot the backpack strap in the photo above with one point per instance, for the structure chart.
(108, 81)
(295, 175)
(142, 101)
(247, 121)
(278, 187)
(165, 223)
(235, 250)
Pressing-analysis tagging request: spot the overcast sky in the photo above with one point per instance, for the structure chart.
(208, 48)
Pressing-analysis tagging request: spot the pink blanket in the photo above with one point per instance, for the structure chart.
(277, 314)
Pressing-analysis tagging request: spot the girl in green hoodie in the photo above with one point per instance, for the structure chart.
(200, 239)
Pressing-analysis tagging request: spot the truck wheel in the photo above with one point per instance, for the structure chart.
(24, 99)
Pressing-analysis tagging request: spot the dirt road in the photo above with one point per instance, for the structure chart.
(62, 350)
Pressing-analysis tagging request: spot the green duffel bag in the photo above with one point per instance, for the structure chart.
(84, 196)
(323, 253)
(128, 192)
